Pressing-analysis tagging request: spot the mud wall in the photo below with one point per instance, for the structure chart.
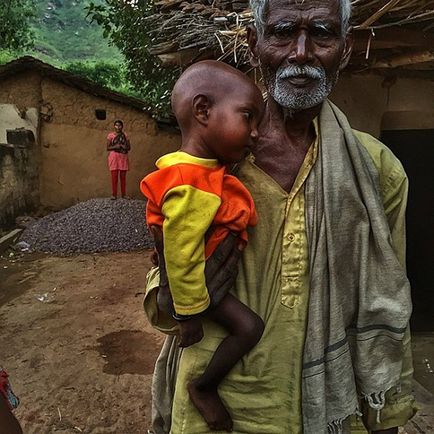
(373, 103)
(72, 141)
(74, 157)
(22, 90)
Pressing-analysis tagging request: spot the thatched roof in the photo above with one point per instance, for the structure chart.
(390, 34)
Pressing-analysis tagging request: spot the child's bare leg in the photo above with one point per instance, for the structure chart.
(245, 330)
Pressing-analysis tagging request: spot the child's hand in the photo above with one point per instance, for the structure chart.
(190, 332)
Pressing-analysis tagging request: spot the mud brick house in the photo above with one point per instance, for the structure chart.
(59, 157)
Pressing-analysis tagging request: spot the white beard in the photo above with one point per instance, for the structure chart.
(295, 99)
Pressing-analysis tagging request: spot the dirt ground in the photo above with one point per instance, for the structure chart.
(80, 360)
(80, 353)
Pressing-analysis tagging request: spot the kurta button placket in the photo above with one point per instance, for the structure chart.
(294, 268)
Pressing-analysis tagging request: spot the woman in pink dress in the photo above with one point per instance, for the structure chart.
(118, 146)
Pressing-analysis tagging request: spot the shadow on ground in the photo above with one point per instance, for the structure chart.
(128, 352)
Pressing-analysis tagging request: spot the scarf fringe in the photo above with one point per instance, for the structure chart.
(376, 401)
(336, 426)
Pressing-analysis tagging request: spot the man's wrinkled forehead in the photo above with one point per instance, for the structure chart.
(296, 9)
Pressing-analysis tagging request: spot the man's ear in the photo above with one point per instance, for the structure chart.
(252, 40)
(348, 49)
(201, 107)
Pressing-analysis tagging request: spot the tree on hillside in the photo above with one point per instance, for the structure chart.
(124, 22)
(15, 16)
(105, 73)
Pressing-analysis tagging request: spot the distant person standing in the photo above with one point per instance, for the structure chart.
(118, 146)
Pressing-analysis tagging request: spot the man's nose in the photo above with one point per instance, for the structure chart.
(301, 50)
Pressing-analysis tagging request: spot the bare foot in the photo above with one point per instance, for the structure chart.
(211, 408)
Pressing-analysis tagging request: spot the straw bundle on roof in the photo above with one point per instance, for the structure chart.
(389, 34)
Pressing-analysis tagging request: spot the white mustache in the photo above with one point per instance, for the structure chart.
(291, 71)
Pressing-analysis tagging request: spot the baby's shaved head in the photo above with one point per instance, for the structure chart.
(213, 79)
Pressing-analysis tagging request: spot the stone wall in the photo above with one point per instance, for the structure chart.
(19, 163)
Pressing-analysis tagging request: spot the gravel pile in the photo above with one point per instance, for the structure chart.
(97, 225)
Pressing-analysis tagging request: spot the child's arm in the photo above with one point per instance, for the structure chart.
(188, 213)
(111, 146)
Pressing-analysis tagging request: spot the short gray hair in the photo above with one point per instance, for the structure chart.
(259, 9)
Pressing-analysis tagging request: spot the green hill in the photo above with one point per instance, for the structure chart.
(63, 34)
(64, 37)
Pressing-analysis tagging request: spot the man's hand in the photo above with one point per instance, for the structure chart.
(190, 332)
(221, 269)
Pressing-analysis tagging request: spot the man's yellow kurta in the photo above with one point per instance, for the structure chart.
(263, 391)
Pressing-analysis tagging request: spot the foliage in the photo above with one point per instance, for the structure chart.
(63, 33)
(125, 23)
(105, 73)
(7, 56)
(108, 74)
(85, 41)
(15, 32)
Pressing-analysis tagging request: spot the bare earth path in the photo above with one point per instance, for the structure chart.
(82, 359)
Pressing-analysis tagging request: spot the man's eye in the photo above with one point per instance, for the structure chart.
(248, 115)
(283, 33)
(321, 32)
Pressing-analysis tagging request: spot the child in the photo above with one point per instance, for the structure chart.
(118, 146)
(192, 198)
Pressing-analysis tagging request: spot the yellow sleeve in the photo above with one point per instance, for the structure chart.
(158, 319)
(400, 405)
(188, 213)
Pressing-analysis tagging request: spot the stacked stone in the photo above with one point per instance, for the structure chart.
(97, 225)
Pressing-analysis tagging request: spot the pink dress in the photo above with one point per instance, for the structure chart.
(117, 160)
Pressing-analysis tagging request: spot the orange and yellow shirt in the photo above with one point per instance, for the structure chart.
(186, 196)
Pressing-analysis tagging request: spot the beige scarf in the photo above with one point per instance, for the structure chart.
(359, 304)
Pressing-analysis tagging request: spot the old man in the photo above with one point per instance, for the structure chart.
(324, 267)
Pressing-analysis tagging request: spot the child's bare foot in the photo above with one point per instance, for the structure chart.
(211, 408)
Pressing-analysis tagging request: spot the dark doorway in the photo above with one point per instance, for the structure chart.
(415, 149)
